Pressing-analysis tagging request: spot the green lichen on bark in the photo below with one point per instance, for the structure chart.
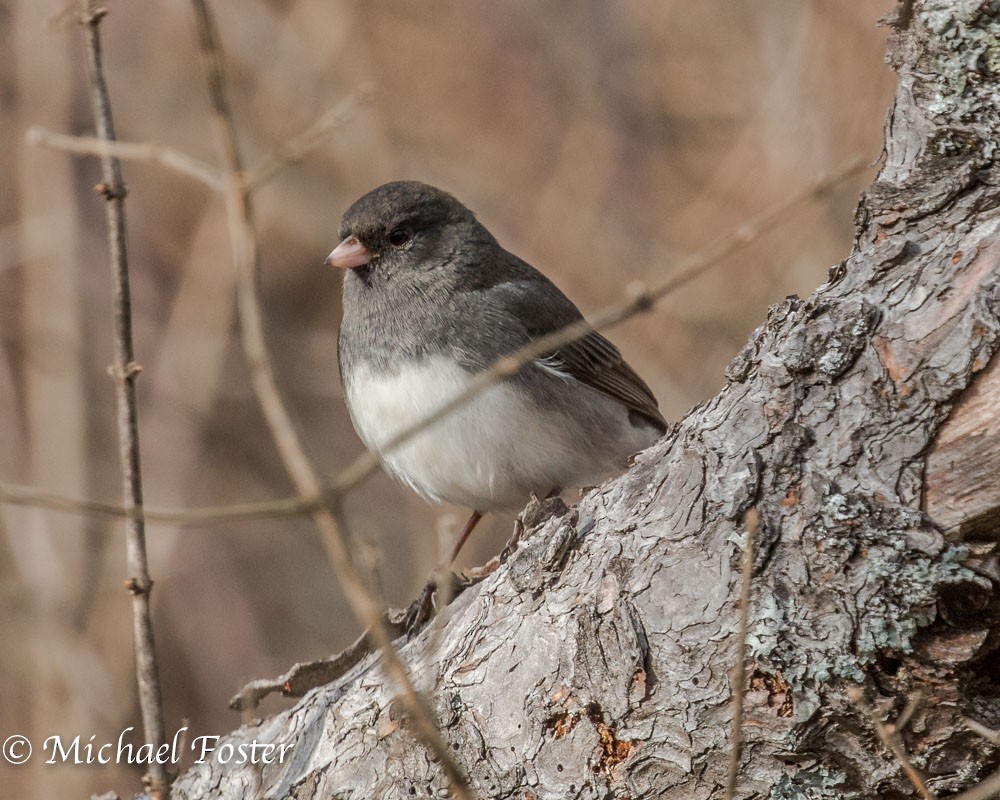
(964, 55)
(813, 783)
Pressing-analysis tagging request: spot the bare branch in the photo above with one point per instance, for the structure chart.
(888, 734)
(987, 733)
(292, 151)
(128, 151)
(14, 494)
(300, 678)
(124, 371)
(330, 522)
(987, 790)
(296, 148)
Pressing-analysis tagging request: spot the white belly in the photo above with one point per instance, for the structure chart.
(487, 455)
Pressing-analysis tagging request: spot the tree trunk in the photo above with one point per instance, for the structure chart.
(596, 662)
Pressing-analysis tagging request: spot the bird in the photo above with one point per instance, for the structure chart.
(430, 300)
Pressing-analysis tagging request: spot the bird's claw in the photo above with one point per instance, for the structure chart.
(420, 610)
(511, 546)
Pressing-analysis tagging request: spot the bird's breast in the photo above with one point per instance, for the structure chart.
(460, 459)
(488, 454)
(484, 455)
(384, 402)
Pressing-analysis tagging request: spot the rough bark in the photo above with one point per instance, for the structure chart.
(962, 487)
(595, 663)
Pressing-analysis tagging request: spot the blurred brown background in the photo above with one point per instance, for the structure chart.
(603, 142)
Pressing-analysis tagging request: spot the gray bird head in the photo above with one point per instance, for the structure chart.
(404, 226)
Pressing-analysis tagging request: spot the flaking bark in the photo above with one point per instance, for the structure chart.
(595, 663)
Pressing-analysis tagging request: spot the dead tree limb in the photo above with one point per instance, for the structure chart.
(595, 663)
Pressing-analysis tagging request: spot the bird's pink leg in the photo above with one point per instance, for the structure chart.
(464, 536)
(419, 611)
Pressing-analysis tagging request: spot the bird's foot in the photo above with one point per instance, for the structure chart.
(512, 542)
(420, 610)
(532, 515)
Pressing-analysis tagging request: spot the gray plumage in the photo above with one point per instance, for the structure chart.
(438, 301)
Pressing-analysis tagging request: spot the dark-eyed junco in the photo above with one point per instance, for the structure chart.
(431, 299)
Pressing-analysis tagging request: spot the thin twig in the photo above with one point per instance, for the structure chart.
(128, 151)
(751, 524)
(987, 733)
(296, 148)
(330, 522)
(366, 464)
(292, 151)
(888, 734)
(17, 495)
(913, 702)
(124, 371)
(334, 528)
(989, 789)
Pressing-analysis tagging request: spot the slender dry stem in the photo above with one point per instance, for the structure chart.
(888, 734)
(128, 151)
(299, 146)
(366, 464)
(124, 370)
(18, 495)
(751, 523)
(330, 522)
(989, 789)
(982, 730)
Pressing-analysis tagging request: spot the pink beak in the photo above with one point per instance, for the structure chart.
(349, 254)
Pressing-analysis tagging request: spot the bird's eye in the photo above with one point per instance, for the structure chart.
(398, 237)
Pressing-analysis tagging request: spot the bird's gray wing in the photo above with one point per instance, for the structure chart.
(533, 303)
(596, 362)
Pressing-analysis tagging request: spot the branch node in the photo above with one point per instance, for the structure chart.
(640, 298)
(109, 192)
(135, 586)
(93, 16)
(125, 373)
